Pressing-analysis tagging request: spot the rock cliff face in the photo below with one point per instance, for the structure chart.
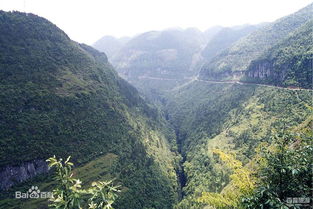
(260, 70)
(11, 175)
(288, 63)
(295, 72)
(265, 70)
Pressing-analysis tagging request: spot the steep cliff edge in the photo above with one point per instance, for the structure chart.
(11, 175)
(288, 63)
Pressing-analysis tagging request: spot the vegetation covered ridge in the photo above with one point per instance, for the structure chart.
(233, 62)
(62, 98)
(236, 119)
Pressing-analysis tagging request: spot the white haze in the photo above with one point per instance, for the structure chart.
(88, 20)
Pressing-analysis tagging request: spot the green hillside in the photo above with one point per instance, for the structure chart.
(288, 63)
(165, 54)
(62, 98)
(231, 63)
(234, 118)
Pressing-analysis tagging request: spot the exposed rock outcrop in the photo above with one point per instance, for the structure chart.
(11, 175)
(260, 70)
(265, 71)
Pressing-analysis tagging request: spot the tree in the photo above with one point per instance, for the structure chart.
(242, 184)
(285, 172)
(70, 195)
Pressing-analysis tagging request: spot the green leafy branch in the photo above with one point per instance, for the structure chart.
(70, 195)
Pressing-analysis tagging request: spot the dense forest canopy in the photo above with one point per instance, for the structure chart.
(62, 98)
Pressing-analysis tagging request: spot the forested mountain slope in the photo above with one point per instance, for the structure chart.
(288, 63)
(164, 54)
(231, 63)
(225, 38)
(234, 118)
(58, 97)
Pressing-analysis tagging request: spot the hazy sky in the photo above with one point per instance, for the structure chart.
(88, 20)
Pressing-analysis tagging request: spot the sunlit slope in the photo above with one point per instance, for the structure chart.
(234, 118)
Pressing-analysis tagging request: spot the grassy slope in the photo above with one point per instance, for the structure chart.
(60, 97)
(98, 169)
(234, 118)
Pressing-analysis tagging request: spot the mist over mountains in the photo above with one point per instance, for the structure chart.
(172, 52)
(110, 45)
(217, 54)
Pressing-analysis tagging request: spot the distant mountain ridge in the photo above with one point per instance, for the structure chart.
(110, 45)
(166, 53)
(186, 43)
(225, 38)
(232, 62)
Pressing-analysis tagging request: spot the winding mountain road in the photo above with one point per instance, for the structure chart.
(216, 81)
(257, 84)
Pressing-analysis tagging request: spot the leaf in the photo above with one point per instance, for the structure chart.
(294, 172)
(67, 160)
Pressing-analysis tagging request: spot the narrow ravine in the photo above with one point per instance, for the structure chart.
(180, 138)
(181, 176)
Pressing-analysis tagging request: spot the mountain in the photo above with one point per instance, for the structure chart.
(110, 45)
(235, 118)
(158, 61)
(211, 32)
(225, 38)
(232, 62)
(288, 63)
(164, 54)
(203, 143)
(62, 98)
